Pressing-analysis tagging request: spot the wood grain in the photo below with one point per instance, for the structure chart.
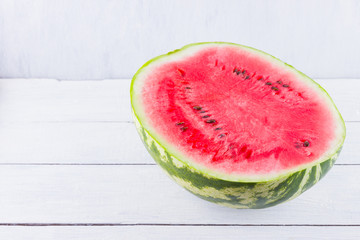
(145, 195)
(181, 232)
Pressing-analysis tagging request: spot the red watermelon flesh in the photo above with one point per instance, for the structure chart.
(233, 111)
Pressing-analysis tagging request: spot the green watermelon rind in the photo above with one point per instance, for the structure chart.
(229, 193)
(239, 192)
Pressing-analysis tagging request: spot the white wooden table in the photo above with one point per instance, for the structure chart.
(73, 167)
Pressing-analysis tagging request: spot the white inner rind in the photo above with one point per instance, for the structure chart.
(189, 50)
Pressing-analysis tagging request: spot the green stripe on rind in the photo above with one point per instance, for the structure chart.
(235, 194)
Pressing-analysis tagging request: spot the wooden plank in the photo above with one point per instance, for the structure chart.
(24, 100)
(180, 233)
(145, 195)
(108, 100)
(349, 153)
(71, 142)
(100, 143)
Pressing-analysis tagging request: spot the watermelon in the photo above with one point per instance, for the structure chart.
(234, 125)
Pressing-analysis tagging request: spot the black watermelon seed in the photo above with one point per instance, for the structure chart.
(187, 87)
(275, 88)
(197, 107)
(285, 85)
(216, 129)
(202, 111)
(210, 121)
(180, 123)
(206, 116)
(183, 129)
(306, 144)
(247, 77)
(268, 83)
(243, 72)
(235, 70)
(222, 135)
(279, 82)
(238, 72)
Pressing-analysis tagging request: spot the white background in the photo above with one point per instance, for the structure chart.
(94, 39)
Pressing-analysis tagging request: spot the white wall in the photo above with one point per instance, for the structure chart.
(95, 39)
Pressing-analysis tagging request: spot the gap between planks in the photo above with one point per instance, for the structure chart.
(116, 164)
(110, 121)
(169, 225)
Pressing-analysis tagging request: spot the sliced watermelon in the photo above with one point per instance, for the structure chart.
(235, 125)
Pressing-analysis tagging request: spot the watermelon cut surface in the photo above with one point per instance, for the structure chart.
(235, 125)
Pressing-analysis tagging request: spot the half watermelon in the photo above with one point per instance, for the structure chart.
(234, 125)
